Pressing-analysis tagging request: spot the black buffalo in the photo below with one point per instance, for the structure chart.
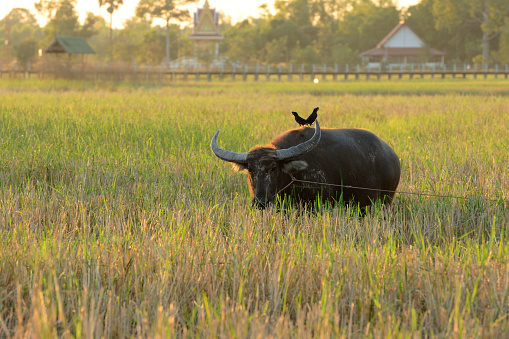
(341, 157)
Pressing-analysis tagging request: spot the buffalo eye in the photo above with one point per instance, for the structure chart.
(273, 168)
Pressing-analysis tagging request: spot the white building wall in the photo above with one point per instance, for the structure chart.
(404, 37)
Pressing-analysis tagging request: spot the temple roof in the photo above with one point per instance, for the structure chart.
(206, 24)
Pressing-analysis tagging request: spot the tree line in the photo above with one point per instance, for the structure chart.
(298, 31)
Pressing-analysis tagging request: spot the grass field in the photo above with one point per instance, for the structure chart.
(117, 221)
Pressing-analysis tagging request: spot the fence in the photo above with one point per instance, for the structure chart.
(197, 72)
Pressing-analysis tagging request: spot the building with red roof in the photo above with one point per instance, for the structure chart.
(402, 46)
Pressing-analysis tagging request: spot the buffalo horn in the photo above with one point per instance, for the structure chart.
(239, 158)
(301, 148)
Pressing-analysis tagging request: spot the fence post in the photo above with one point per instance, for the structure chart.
(234, 71)
(324, 71)
(475, 71)
(279, 73)
(454, 71)
(400, 71)
(290, 73)
(197, 74)
(496, 71)
(357, 72)
(185, 73)
(506, 69)
(267, 75)
(485, 71)
(256, 73)
(444, 69)
(301, 76)
(346, 71)
(244, 75)
(313, 73)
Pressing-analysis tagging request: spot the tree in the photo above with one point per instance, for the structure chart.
(459, 42)
(488, 14)
(48, 7)
(17, 27)
(63, 20)
(367, 23)
(113, 5)
(307, 55)
(89, 28)
(126, 47)
(12, 22)
(298, 11)
(62, 16)
(282, 37)
(26, 50)
(243, 41)
(166, 10)
(502, 54)
(151, 50)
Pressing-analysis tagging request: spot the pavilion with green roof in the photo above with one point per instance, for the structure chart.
(69, 45)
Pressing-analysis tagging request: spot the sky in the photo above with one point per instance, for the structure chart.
(236, 9)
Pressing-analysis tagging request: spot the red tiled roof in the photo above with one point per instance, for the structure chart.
(400, 51)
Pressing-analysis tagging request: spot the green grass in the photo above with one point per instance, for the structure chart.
(117, 221)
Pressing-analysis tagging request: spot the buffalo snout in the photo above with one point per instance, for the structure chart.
(259, 202)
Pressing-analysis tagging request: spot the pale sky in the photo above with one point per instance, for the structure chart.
(237, 9)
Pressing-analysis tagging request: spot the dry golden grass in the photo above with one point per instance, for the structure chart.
(117, 221)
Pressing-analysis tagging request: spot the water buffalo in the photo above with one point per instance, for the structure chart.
(353, 157)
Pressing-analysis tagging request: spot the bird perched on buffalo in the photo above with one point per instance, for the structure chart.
(310, 120)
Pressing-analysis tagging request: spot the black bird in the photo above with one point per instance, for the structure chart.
(313, 116)
(300, 121)
(311, 119)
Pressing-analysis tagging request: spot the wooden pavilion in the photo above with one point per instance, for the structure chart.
(70, 46)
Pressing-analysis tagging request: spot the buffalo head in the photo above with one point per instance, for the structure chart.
(268, 167)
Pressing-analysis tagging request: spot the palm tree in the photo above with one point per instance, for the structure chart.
(112, 7)
(166, 10)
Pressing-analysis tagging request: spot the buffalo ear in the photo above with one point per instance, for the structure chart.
(239, 167)
(295, 166)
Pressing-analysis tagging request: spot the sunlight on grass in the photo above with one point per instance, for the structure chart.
(117, 221)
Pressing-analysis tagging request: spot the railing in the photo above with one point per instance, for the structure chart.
(197, 72)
